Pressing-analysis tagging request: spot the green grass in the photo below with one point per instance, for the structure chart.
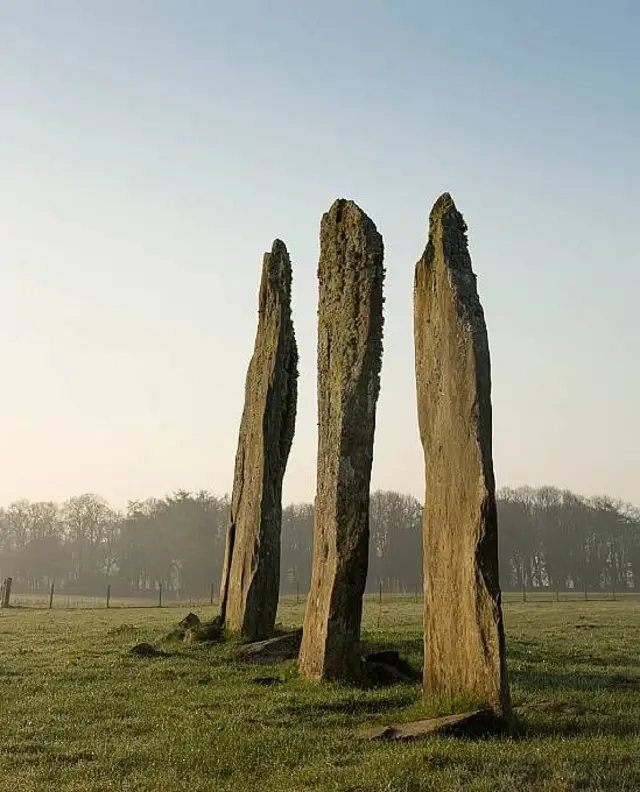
(77, 712)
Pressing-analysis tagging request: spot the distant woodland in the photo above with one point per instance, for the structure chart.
(548, 539)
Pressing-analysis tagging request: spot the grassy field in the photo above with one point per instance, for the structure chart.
(78, 712)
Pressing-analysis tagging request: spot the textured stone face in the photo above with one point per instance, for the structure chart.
(350, 278)
(463, 629)
(251, 571)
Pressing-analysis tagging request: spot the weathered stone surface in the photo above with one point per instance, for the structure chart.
(350, 276)
(477, 723)
(251, 571)
(463, 629)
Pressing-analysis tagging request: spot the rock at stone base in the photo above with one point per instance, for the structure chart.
(387, 667)
(201, 633)
(189, 620)
(477, 723)
(273, 650)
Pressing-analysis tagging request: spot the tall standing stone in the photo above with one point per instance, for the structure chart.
(251, 571)
(350, 278)
(463, 629)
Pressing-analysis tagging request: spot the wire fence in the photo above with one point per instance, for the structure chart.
(159, 598)
(152, 598)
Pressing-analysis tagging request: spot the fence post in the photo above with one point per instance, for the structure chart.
(211, 595)
(2, 585)
(524, 590)
(297, 592)
(160, 595)
(586, 592)
(613, 588)
(557, 594)
(6, 592)
(380, 592)
(51, 590)
(108, 595)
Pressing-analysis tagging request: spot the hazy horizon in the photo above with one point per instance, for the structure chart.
(151, 153)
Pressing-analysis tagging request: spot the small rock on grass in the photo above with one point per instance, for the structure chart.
(146, 650)
(387, 667)
(190, 620)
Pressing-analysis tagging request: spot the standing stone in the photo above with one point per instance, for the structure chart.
(350, 278)
(463, 630)
(251, 571)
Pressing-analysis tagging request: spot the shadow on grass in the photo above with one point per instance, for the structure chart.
(399, 698)
(350, 706)
(407, 647)
(539, 686)
(526, 728)
(548, 682)
(557, 707)
(9, 672)
(530, 652)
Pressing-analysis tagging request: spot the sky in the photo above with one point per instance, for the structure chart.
(151, 150)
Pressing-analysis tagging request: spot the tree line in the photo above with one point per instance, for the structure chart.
(549, 538)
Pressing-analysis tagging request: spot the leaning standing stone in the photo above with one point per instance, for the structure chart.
(251, 571)
(350, 278)
(463, 630)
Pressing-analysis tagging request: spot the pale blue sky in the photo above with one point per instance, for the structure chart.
(150, 151)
